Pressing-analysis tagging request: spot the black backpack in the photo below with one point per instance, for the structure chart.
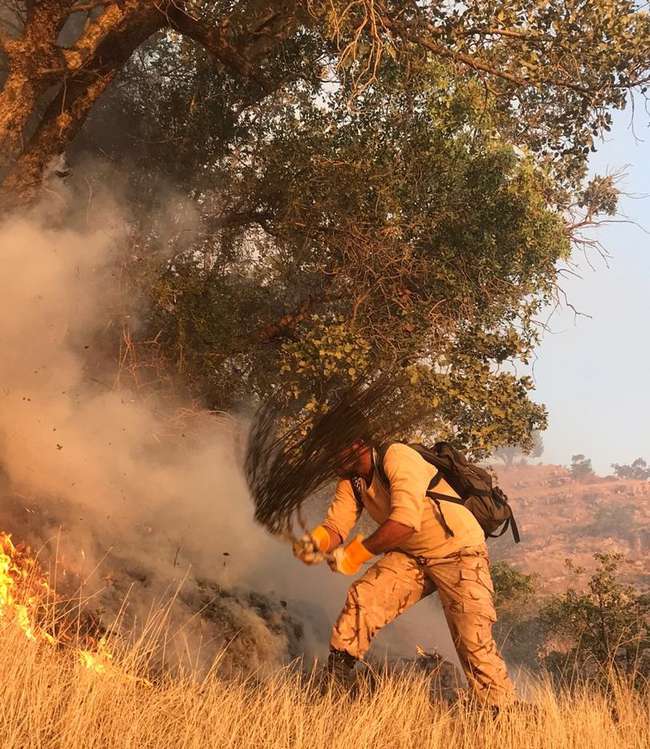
(473, 484)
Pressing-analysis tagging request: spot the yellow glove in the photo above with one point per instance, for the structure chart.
(347, 560)
(310, 549)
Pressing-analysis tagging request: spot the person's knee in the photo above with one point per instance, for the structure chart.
(361, 594)
(472, 633)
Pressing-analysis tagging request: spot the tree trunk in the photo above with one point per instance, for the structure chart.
(34, 65)
(81, 72)
(17, 102)
(61, 121)
(105, 48)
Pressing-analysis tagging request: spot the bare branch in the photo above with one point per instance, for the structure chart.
(118, 18)
(87, 7)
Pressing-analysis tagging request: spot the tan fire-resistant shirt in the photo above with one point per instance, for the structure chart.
(406, 502)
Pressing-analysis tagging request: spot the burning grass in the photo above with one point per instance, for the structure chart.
(31, 609)
(23, 589)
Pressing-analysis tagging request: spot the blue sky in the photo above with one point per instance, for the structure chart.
(594, 373)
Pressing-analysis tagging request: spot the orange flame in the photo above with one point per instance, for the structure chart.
(23, 591)
(100, 661)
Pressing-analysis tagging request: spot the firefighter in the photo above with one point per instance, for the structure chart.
(417, 556)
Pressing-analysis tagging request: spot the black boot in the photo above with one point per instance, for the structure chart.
(341, 668)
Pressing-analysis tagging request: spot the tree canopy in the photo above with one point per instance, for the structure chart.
(554, 68)
(637, 470)
(375, 185)
(581, 468)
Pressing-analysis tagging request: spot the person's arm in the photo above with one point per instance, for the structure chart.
(342, 516)
(329, 542)
(389, 535)
(409, 476)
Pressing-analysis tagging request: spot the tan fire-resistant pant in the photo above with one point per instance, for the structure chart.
(464, 585)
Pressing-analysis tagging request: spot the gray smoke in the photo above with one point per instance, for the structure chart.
(129, 496)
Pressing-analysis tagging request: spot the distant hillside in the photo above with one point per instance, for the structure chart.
(559, 518)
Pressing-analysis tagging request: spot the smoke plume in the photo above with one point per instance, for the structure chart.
(120, 495)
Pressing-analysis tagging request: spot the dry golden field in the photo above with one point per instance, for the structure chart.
(51, 699)
(66, 688)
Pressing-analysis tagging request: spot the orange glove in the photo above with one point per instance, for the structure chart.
(347, 560)
(311, 547)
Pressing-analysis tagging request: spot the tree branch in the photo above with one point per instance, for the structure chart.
(85, 69)
(287, 324)
(86, 7)
(107, 38)
(240, 53)
(102, 49)
(476, 63)
(214, 39)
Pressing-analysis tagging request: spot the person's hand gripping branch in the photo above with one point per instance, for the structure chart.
(314, 548)
(314, 545)
(322, 544)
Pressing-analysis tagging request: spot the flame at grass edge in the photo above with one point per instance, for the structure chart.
(23, 590)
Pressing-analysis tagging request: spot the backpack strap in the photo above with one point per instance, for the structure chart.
(446, 498)
(356, 488)
(378, 465)
(502, 530)
(378, 460)
(515, 530)
(509, 523)
(435, 481)
(378, 455)
(436, 501)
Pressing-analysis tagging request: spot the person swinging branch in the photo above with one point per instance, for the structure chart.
(424, 546)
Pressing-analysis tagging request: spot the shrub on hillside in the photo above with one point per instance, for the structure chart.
(518, 629)
(511, 587)
(606, 625)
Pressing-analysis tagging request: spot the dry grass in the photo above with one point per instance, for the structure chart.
(50, 700)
